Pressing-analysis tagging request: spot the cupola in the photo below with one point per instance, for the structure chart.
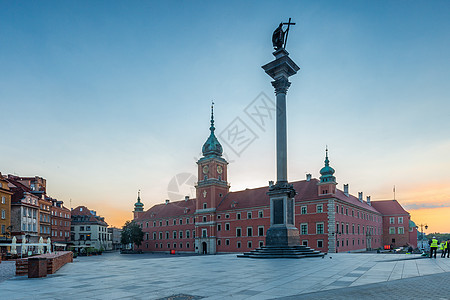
(212, 145)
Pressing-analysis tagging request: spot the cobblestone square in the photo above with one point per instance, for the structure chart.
(158, 276)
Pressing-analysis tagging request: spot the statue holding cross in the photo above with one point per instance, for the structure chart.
(279, 37)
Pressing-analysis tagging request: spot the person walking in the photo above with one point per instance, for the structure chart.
(442, 248)
(433, 246)
(447, 248)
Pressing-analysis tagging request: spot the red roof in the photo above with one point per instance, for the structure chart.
(306, 190)
(91, 218)
(389, 207)
(171, 209)
(249, 198)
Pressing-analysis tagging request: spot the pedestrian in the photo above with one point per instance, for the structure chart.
(442, 248)
(448, 248)
(433, 246)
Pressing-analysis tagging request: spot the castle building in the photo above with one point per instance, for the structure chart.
(219, 221)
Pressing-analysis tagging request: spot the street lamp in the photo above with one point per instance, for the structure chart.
(421, 230)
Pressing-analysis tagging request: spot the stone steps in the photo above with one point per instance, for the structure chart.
(282, 252)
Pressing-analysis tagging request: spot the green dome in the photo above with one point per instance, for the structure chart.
(139, 206)
(212, 145)
(327, 172)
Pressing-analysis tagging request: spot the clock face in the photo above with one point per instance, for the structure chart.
(219, 169)
(205, 169)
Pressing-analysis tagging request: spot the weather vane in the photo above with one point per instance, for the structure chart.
(279, 37)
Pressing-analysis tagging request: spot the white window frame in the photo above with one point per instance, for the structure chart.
(303, 210)
(323, 228)
(301, 228)
(319, 208)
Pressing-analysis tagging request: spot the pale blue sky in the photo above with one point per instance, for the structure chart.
(105, 97)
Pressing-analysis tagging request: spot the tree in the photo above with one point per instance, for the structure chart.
(132, 233)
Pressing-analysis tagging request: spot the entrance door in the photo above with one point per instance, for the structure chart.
(204, 248)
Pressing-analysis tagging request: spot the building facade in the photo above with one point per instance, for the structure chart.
(24, 212)
(219, 221)
(5, 210)
(61, 221)
(398, 230)
(45, 228)
(33, 214)
(115, 234)
(89, 230)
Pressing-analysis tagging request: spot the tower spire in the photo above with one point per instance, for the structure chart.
(212, 145)
(327, 172)
(138, 206)
(212, 117)
(327, 162)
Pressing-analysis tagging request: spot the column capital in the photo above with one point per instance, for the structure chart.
(281, 85)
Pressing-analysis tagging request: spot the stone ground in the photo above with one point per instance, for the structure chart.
(159, 276)
(7, 270)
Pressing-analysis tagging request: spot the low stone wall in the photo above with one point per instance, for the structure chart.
(60, 259)
(55, 261)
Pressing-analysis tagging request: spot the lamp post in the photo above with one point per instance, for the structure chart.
(421, 231)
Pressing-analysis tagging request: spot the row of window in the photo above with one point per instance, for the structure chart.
(304, 209)
(87, 237)
(27, 211)
(360, 215)
(401, 230)
(61, 215)
(356, 229)
(343, 243)
(29, 227)
(175, 235)
(319, 228)
(392, 220)
(55, 233)
(45, 229)
(180, 221)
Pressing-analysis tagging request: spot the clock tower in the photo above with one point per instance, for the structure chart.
(212, 186)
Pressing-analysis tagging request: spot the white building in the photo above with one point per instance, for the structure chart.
(89, 230)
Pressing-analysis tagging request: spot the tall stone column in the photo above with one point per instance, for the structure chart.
(282, 231)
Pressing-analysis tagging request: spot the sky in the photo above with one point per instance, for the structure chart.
(105, 98)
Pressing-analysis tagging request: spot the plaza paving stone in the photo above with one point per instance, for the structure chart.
(158, 276)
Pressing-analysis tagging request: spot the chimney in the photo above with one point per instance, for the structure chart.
(186, 198)
(346, 189)
(360, 196)
(308, 177)
(167, 201)
(270, 183)
(368, 200)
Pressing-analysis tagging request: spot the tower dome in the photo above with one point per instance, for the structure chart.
(212, 145)
(327, 172)
(139, 206)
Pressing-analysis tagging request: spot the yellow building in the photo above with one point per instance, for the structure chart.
(5, 210)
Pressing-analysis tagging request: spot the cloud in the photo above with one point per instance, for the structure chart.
(425, 205)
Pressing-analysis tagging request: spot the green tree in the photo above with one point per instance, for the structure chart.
(132, 233)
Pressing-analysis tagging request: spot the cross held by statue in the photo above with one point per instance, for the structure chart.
(279, 37)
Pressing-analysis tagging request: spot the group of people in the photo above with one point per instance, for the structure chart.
(444, 247)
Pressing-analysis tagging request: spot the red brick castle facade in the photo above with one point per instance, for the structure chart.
(220, 221)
